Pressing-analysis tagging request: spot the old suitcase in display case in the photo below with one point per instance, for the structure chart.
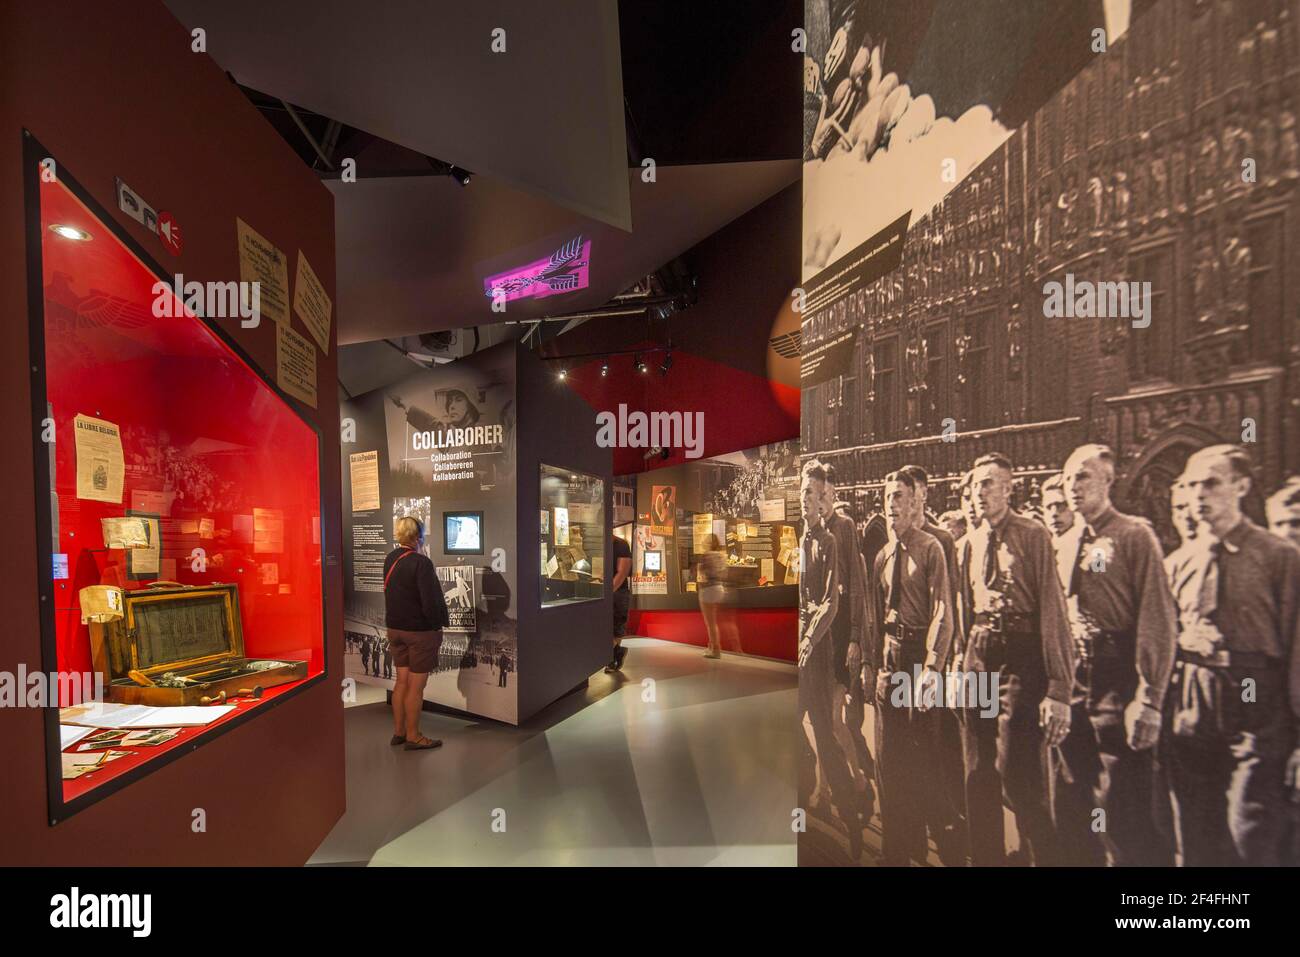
(193, 632)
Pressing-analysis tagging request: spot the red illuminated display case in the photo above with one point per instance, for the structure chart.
(215, 458)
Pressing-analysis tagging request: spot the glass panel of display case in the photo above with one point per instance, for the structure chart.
(753, 516)
(181, 540)
(572, 536)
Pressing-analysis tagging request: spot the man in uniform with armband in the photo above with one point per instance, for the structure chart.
(1019, 632)
(1232, 755)
(1122, 616)
(913, 613)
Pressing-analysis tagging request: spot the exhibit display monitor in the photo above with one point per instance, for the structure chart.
(462, 533)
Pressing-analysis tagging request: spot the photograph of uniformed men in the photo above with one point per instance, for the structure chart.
(1050, 688)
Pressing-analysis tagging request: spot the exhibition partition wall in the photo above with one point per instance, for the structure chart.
(1072, 223)
(207, 435)
(749, 502)
(445, 446)
(439, 446)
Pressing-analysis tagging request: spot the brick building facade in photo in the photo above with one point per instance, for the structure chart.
(1132, 172)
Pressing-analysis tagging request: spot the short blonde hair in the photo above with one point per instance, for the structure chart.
(407, 531)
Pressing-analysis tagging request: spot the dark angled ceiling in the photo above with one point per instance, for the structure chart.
(545, 116)
(712, 81)
(413, 251)
(549, 129)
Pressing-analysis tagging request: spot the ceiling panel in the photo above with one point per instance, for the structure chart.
(412, 252)
(545, 116)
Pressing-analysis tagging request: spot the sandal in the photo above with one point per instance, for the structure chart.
(423, 744)
(397, 739)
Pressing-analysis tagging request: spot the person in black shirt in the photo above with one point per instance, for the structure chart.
(414, 614)
(622, 600)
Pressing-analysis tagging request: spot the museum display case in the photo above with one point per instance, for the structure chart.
(744, 505)
(572, 529)
(178, 508)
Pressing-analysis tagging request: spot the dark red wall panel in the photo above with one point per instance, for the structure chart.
(115, 90)
(770, 632)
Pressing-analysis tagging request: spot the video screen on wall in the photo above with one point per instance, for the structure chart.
(463, 532)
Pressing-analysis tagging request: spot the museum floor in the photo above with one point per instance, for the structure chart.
(702, 774)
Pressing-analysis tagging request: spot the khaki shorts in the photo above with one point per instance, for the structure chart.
(417, 650)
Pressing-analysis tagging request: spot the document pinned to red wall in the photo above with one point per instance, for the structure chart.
(312, 303)
(261, 262)
(295, 364)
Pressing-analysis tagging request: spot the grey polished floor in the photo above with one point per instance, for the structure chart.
(695, 766)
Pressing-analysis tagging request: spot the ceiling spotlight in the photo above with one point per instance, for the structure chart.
(666, 364)
(639, 363)
(459, 175)
(70, 232)
(604, 369)
(564, 374)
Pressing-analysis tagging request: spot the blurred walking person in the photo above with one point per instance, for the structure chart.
(713, 588)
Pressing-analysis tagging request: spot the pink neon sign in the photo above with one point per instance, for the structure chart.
(565, 270)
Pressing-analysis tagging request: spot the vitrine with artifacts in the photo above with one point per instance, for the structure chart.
(573, 533)
(182, 645)
(178, 505)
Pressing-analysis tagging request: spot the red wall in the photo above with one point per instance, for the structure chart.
(113, 95)
(741, 410)
(722, 364)
(770, 632)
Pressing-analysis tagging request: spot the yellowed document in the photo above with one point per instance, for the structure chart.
(100, 467)
(127, 532)
(365, 480)
(261, 262)
(295, 364)
(312, 303)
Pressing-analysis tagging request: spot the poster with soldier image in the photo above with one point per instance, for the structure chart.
(1043, 543)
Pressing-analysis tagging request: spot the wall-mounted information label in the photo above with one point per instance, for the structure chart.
(365, 480)
(261, 262)
(295, 364)
(369, 549)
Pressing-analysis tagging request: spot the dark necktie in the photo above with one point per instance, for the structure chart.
(1076, 570)
(1208, 598)
(991, 572)
(896, 579)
